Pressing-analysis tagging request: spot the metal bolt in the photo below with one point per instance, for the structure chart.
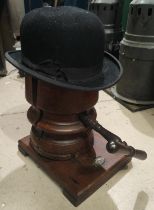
(99, 161)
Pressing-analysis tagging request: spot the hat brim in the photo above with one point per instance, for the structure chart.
(111, 73)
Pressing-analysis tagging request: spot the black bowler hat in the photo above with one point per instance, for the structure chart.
(64, 46)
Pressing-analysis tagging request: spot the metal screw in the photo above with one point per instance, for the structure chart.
(99, 161)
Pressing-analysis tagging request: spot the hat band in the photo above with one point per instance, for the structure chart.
(71, 75)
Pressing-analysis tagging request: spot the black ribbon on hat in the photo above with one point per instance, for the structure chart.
(72, 75)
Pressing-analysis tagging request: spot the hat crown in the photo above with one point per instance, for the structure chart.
(66, 37)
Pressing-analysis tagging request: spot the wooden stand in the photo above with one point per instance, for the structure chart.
(78, 181)
(60, 143)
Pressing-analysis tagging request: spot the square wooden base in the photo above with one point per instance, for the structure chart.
(77, 181)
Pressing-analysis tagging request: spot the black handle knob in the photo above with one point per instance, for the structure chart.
(140, 154)
(122, 147)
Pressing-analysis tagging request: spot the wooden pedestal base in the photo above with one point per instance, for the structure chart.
(78, 181)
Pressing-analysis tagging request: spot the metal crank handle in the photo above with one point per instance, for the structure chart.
(123, 148)
(115, 144)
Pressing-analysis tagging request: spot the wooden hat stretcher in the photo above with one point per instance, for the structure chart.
(68, 143)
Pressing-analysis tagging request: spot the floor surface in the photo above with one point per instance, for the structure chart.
(24, 186)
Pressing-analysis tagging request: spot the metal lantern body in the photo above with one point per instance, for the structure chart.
(137, 55)
(110, 13)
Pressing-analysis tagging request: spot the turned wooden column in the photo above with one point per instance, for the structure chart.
(57, 132)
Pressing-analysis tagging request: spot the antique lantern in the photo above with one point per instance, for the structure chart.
(137, 55)
(110, 13)
(65, 67)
